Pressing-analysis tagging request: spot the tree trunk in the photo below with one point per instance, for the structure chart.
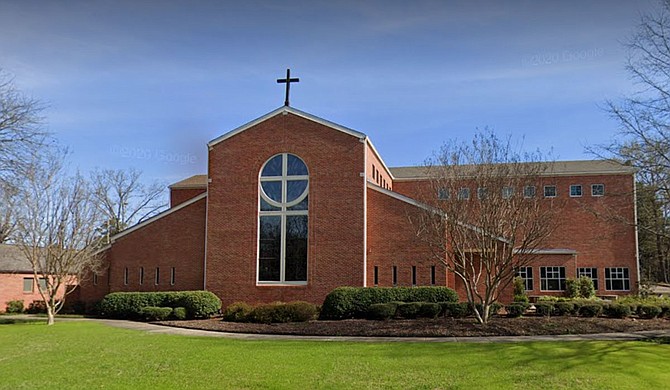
(51, 316)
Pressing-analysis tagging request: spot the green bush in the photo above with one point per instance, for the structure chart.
(353, 302)
(564, 308)
(14, 307)
(591, 310)
(617, 310)
(519, 286)
(128, 305)
(516, 309)
(37, 307)
(152, 313)
(455, 309)
(571, 288)
(586, 288)
(544, 309)
(521, 299)
(279, 312)
(409, 310)
(179, 313)
(429, 310)
(649, 311)
(382, 311)
(237, 312)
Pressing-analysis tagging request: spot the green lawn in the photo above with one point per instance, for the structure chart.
(90, 355)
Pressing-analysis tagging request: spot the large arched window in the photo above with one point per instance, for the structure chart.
(282, 221)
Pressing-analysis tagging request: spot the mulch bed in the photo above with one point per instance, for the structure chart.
(445, 327)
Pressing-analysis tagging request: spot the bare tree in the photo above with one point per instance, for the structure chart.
(643, 138)
(484, 219)
(56, 229)
(8, 199)
(21, 131)
(124, 199)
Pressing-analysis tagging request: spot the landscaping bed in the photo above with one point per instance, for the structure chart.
(440, 327)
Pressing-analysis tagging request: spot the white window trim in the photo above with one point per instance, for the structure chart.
(612, 279)
(559, 277)
(544, 191)
(525, 195)
(581, 190)
(597, 195)
(283, 213)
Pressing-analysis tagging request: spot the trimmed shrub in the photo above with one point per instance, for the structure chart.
(521, 299)
(179, 313)
(128, 305)
(564, 308)
(586, 288)
(544, 309)
(37, 307)
(353, 302)
(617, 310)
(237, 312)
(649, 311)
(382, 311)
(74, 307)
(409, 310)
(455, 309)
(429, 309)
(571, 288)
(591, 310)
(14, 307)
(152, 313)
(274, 312)
(516, 309)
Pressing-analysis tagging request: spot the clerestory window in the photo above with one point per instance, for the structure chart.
(282, 225)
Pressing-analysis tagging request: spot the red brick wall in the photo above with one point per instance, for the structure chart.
(181, 195)
(392, 242)
(335, 161)
(11, 289)
(376, 171)
(175, 240)
(585, 224)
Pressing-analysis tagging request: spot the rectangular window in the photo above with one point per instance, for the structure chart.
(125, 276)
(394, 271)
(414, 275)
(375, 276)
(443, 194)
(526, 273)
(482, 193)
(463, 193)
(158, 276)
(550, 191)
(507, 192)
(172, 276)
(597, 189)
(43, 284)
(576, 190)
(591, 273)
(95, 279)
(529, 191)
(269, 247)
(432, 275)
(617, 279)
(28, 285)
(552, 278)
(141, 276)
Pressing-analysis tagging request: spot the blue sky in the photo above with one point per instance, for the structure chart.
(148, 83)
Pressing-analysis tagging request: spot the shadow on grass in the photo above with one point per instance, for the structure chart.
(9, 321)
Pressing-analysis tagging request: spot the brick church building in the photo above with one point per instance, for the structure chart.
(293, 206)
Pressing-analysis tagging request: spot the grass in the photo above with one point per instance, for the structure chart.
(83, 354)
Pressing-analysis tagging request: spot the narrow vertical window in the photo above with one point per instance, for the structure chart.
(141, 276)
(432, 275)
(414, 275)
(394, 271)
(28, 284)
(375, 276)
(172, 276)
(283, 220)
(158, 276)
(125, 276)
(95, 279)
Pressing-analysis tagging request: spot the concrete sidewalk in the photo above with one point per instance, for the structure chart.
(161, 329)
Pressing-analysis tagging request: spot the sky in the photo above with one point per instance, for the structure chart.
(147, 84)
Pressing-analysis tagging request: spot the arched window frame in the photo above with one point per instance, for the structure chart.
(282, 209)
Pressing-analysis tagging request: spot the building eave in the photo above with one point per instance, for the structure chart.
(283, 111)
